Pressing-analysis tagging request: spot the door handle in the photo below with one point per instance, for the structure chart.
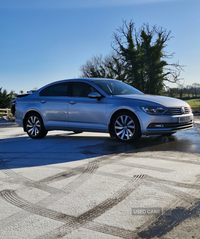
(72, 102)
(43, 101)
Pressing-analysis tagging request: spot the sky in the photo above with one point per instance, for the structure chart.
(42, 41)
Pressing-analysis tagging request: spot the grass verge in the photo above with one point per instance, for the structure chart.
(195, 105)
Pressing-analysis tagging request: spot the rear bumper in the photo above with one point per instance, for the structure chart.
(19, 122)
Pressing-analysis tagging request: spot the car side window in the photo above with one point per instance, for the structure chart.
(81, 89)
(60, 89)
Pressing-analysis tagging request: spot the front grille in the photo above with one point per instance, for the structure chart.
(177, 111)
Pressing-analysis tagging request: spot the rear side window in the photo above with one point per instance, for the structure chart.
(60, 89)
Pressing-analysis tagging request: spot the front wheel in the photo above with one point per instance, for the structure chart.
(126, 127)
(34, 126)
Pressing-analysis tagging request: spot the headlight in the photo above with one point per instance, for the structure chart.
(152, 110)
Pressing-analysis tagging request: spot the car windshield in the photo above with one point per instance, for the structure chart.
(116, 87)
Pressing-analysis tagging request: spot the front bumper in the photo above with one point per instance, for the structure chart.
(155, 125)
(168, 127)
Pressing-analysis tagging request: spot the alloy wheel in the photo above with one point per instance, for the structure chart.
(33, 126)
(124, 127)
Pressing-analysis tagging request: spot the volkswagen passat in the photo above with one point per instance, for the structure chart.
(100, 105)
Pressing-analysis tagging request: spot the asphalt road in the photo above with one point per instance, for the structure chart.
(91, 186)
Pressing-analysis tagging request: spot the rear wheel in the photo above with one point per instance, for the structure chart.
(34, 126)
(126, 127)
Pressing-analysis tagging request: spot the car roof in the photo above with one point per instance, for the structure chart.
(76, 79)
(87, 79)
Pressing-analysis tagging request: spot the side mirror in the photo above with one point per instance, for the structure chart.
(94, 95)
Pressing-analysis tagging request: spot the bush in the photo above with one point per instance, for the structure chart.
(5, 99)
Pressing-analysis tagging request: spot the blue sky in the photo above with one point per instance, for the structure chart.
(42, 41)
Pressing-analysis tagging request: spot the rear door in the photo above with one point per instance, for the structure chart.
(54, 105)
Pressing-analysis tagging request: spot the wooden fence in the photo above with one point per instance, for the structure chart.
(4, 112)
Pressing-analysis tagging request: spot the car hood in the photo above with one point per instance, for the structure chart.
(162, 100)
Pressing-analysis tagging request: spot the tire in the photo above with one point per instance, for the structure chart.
(34, 126)
(168, 134)
(126, 127)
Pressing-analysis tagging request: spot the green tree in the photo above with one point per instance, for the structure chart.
(143, 52)
(196, 87)
(138, 59)
(5, 99)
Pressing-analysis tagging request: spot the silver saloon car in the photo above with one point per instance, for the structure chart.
(100, 105)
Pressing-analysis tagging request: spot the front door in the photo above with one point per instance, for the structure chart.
(86, 113)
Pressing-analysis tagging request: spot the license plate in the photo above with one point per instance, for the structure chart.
(184, 119)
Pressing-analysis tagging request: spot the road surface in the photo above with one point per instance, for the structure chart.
(91, 186)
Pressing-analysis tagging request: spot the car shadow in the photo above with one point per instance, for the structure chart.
(65, 147)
